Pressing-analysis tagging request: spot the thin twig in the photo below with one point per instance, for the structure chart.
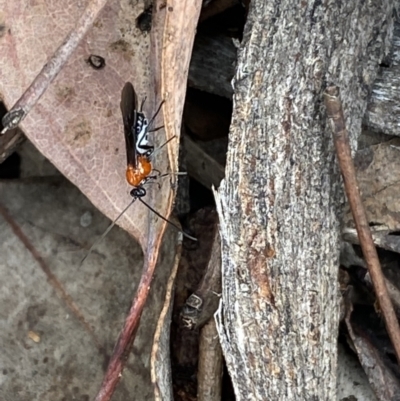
(127, 336)
(125, 341)
(340, 137)
(53, 66)
(209, 377)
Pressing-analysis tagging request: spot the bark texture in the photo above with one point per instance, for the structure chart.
(282, 199)
(383, 112)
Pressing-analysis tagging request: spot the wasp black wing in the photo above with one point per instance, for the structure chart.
(129, 105)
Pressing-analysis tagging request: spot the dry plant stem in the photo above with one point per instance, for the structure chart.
(160, 368)
(341, 140)
(51, 69)
(209, 376)
(127, 336)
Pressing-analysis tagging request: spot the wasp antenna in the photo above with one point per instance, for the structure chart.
(142, 104)
(155, 115)
(168, 221)
(106, 232)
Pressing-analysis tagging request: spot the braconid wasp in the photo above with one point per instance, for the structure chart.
(139, 154)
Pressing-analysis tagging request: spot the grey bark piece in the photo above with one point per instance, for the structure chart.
(201, 166)
(349, 373)
(281, 202)
(213, 56)
(210, 364)
(383, 112)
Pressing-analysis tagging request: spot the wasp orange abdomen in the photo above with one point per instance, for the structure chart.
(135, 175)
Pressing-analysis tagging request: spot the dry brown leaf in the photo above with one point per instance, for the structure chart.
(77, 124)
